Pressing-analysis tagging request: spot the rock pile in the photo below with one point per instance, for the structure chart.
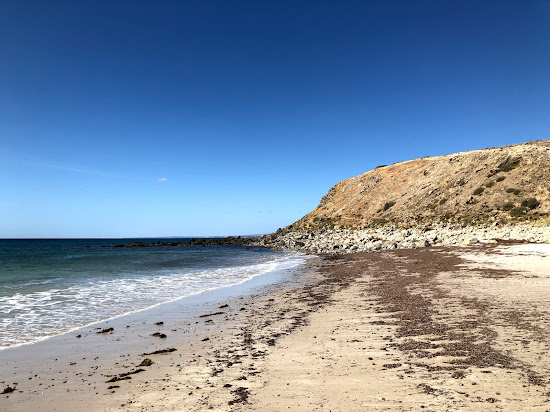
(368, 240)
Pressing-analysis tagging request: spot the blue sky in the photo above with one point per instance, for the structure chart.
(176, 118)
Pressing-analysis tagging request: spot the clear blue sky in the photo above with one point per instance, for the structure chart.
(135, 118)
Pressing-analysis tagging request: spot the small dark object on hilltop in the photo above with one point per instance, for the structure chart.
(513, 190)
(113, 387)
(8, 389)
(159, 335)
(159, 323)
(387, 205)
(530, 203)
(518, 211)
(146, 362)
(223, 306)
(106, 330)
(205, 340)
(509, 164)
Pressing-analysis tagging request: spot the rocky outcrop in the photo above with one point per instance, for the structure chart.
(464, 198)
(223, 241)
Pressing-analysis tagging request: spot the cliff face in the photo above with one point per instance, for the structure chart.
(504, 184)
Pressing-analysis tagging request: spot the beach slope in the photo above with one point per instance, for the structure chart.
(421, 329)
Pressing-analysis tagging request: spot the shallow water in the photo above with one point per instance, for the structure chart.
(48, 287)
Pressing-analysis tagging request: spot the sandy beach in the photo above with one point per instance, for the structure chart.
(462, 328)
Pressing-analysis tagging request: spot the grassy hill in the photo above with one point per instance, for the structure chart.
(505, 184)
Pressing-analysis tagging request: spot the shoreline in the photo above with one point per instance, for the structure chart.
(410, 329)
(29, 368)
(140, 299)
(333, 239)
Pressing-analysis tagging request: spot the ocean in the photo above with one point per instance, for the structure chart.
(52, 286)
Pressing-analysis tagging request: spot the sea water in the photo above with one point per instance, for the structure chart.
(52, 286)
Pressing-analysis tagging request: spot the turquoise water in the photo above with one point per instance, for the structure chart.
(48, 287)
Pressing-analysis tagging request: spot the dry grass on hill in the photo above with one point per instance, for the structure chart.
(504, 184)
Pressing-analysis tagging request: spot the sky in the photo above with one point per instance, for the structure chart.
(175, 118)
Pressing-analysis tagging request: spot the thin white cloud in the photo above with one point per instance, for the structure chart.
(36, 161)
(78, 170)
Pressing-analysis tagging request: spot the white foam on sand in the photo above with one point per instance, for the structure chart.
(526, 258)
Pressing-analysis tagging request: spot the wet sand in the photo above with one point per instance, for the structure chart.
(424, 329)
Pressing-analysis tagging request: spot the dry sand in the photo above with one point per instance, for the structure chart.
(455, 329)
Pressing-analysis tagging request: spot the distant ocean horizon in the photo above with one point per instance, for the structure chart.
(130, 239)
(52, 286)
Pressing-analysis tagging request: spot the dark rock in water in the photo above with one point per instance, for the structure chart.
(8, 389)
(146, 362)
(159, 335)
(160, 352)
(88, 246)
(226, 241)
(106, 330)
